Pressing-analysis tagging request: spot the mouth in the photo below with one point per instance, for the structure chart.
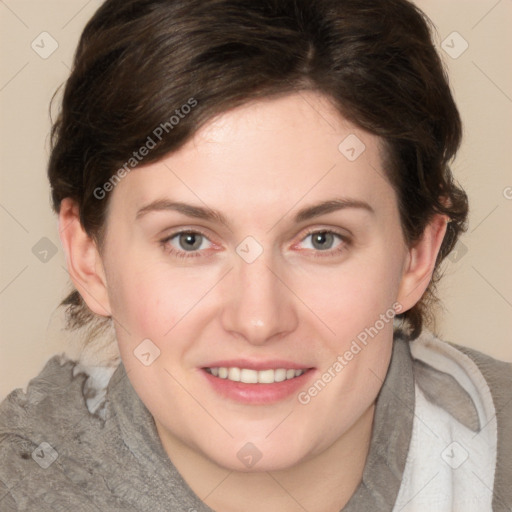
(250, 376)
(257, 383)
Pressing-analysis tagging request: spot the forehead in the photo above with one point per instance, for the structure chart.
(267, 156)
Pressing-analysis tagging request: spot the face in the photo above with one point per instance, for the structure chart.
(268, 248)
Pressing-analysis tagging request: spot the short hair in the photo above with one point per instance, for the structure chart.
(139, 61)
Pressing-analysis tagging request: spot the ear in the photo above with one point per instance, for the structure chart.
(83, 259)
(420, 263)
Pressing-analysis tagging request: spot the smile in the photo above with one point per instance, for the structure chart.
(249, 376)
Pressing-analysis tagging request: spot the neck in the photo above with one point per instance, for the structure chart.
(333, 475)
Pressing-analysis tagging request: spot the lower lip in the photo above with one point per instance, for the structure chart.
(257, 394)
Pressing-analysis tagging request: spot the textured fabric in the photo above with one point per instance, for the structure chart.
(391, 434)
(498, 375)
(453, 462)
(56, 455)
(116, 464)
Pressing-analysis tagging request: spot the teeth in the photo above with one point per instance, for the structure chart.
(248, 376)
(265, 376)
(279, 375)
(234, 374)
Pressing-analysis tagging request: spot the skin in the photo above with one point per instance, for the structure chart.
(258, 165)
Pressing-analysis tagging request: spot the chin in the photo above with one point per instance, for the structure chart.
(256, 456)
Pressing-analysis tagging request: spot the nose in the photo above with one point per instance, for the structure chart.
(259, 306)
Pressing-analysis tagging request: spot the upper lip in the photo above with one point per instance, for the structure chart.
(268, 364)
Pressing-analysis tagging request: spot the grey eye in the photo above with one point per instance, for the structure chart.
(190, 241)
(322, 240)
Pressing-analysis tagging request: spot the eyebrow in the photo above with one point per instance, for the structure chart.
(209, 214)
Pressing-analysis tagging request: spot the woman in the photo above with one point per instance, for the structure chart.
(256, 198)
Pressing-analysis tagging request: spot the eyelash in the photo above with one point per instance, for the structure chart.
(317, 253)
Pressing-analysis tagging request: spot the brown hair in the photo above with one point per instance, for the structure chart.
(139, 61)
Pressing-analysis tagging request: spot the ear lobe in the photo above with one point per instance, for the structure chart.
(83, 259)
(420, 263)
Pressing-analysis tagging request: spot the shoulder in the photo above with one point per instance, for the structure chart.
(45, 437)
(497, 373)
(56, 392)
(447, 368)
(479, 374)
(476, 390)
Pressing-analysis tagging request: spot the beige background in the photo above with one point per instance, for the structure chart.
(477, 290)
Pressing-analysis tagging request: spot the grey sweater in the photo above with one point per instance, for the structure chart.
(57, 456)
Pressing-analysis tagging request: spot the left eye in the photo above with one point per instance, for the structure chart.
(322, 240)
(187, 241)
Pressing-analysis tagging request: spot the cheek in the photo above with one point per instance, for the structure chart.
(149, 301)
(351, 297)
